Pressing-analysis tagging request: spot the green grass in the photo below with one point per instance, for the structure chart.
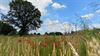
(83, 51)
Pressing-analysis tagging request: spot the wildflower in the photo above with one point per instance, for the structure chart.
(62, 40)
(48, 41)
(43, 44)
(57, 44)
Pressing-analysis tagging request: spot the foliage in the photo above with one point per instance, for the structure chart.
(6, 29)
(51, 33)
(38, 34)
(34, 33)
(46, 33)
(58, 33)
(54, 33)
(24, 15)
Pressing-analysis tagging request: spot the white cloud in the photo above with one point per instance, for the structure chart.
(41, 4)
(55, 26)
(57, 5)
(4, 9)
(91, 15)
(96, 25)
(88, 16)
(98, 11)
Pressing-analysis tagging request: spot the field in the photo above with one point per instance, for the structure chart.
(71, 45)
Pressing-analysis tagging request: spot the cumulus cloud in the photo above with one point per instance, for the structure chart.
(55, 26)
(98, 11)
(41, 4)
(96, 25)
(88, 16)
(3, 9)
(91, 15)
(57, 5)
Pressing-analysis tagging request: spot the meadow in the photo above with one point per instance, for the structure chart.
(44, 45)
(78, 20)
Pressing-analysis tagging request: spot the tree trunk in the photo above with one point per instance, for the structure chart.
(23, 31)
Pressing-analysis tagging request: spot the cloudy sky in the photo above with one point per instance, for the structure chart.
(60, 15)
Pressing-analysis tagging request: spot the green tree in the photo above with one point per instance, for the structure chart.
(58, 33)
(46, 33)
(38, 34)
(24, 15)
(52, 33)
(6, 29)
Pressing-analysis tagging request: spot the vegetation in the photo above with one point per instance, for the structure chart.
(6, 29)
(26, 17)
(83, 48)
(54, 33)
(23, 15)
(73, 45)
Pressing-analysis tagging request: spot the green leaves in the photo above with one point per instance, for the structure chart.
(6, 29)
(24, 15)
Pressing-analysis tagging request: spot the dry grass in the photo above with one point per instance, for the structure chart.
(46, 46)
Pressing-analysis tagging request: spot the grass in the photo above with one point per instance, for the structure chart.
(83, 48)
(72, 45)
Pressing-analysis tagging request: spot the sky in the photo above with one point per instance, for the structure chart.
(62, 15)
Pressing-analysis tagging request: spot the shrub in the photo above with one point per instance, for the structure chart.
(6, 29)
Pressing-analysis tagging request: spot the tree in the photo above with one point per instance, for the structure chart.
(46, 33)
(24, 15)
(55, 33)
(51, 33)
(6, 29)
(58, 33)
(34, 33)
(84, 22)
(38, 34)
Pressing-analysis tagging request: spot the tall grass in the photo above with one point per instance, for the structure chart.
(48, 46)
(83, 48)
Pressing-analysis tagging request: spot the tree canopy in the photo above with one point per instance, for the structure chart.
(24, 15)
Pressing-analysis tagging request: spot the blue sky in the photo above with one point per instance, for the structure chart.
(57, 13)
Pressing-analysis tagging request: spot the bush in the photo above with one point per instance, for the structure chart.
(58, 33)
(55, 33)
(46, 33)
(38, 34)
(6, 29)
